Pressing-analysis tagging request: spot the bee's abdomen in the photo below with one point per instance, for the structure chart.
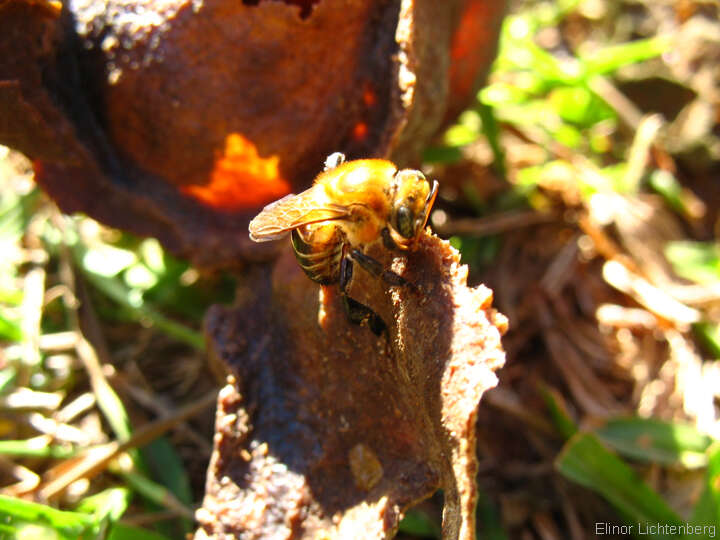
(320, 261)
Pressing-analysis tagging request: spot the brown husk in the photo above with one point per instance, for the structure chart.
(327, 431)
(181, 119)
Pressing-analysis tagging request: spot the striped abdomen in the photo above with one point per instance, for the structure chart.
(319, 251)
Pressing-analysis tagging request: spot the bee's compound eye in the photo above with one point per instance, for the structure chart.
(405, 222)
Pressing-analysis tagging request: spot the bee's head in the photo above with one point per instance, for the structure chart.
(412, 202)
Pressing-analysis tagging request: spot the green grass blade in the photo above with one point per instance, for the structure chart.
(117, 291)
(108, 401)
(109, 504)
(165, 464)
(12, 297)
(708, 334)
(11, 223)
(442, 154)
(579, 106)
(9, 329)
(158, 494)
(167, 467)
(119, 531)
(665, 184)
(585, 461)
(22, 516)
(491, 130)
(418, 523)
(656, 441)
(107, 260)
(489, 519)
(558, 412)
(611, 58)
(706, 513)
(8, 376)
(696, 261)
(518, 51)
(35, 448)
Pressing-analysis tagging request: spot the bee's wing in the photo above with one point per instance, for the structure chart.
(293, 211)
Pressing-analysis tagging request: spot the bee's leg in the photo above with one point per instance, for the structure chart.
(376, 324)
(346, 272)
(376, 269)
(357, 313)
(388, 242)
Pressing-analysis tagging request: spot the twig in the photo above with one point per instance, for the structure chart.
(655, 300)
(25, 399)
(507, 401)
(632, 117)
(694, 294)
(560, 270)
(143, 520)
(58, 430)
(81, 404)
(91, 462)
(577, 532)
(628, 112)
(107, 400)
(545, 526)
(96, 459)
(624, 317)
(167, 325)
(696, 391)
(603, 244)
(494, 224)
(638, 157)
(33, 291)
(152, 490)
(57, 342)
(585, 387)
(28, 480)
(155, 405)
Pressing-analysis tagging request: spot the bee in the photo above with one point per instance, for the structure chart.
(350, 206)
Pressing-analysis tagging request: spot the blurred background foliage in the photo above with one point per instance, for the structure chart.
(583, 186)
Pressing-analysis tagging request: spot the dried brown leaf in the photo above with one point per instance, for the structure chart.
(328, 431)
(181, 119)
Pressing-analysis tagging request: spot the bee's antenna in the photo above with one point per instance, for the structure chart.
(334, 160)
(429, 202)
(433, 193)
